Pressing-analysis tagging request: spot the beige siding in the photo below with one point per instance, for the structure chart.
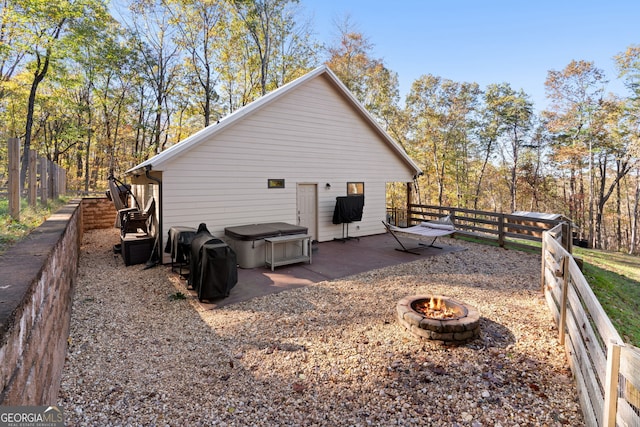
(310, 135)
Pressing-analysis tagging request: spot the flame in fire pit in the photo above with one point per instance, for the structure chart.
(438, 318)
(436, 308)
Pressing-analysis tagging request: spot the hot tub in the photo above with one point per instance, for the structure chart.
(247, 241)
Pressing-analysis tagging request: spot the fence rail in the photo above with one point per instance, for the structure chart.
(607, 372)
(503, 229)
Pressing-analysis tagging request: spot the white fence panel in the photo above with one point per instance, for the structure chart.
(607, 372)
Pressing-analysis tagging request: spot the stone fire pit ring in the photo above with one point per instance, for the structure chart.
(458, 330)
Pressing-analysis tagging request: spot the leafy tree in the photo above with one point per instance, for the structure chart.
(575, 95)
(350, 59)
(490, 129)
(366, 77)
(628, 65)
(440, 110)
(536, 187)
(295, 50)
(199, 22)
(267, 23)
(516, 112)
(51, 27)
(239, 78)
(97, 60)
(13, 41)
(634, 214)
(155, 36)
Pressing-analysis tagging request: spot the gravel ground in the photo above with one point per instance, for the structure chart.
(329, 354)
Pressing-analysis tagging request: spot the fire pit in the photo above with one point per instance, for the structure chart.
(439, 318)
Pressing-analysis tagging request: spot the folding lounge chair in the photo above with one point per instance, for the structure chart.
(426, 231)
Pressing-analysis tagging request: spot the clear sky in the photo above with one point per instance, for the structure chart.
(487, 41)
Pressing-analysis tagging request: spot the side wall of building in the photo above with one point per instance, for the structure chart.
(309, 136)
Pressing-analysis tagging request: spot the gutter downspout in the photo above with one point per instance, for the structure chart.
(155, 257)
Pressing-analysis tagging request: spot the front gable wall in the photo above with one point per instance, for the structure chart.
(309, 135)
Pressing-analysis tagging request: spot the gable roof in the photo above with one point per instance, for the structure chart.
(158, 160)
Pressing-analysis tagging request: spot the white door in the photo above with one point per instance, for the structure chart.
(307, 208)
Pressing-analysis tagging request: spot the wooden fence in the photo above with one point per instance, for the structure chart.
(607, 372)
(504, 229)
(44, 179)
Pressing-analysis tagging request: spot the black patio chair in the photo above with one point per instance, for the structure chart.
(133, 220)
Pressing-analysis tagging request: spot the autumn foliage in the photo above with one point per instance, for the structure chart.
(97, 88)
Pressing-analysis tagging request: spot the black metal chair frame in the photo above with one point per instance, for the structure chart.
(129, 219)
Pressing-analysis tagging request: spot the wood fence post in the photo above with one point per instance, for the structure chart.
(55, 174)
(44, 182)
(409, 203)
(51, 173)
(544, 261)
(565, 290)
(611, 385)
(14, 178)
(33, 178)
(501, 230)
(63, 181)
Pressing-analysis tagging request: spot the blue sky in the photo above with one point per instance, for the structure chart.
(486, 42)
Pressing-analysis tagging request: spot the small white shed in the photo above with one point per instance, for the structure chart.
(286, 157)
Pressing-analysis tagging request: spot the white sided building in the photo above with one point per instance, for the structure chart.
(286, 157)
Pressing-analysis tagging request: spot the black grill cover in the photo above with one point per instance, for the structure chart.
(212, 266)
(348, 209)
(218, 272)
(179, 242)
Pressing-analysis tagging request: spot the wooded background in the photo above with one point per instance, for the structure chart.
(95, 88)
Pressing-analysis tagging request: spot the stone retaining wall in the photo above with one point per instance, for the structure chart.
(36, 294)
(97, 213)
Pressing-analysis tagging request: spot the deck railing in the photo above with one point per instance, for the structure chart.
(606, 371)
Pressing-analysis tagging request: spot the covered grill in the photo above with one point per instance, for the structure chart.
(212, 266)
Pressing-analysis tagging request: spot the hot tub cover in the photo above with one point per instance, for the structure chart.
(263, 231)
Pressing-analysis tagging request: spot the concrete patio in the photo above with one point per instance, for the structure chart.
(330, 260)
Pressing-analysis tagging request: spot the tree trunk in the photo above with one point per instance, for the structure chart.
(592, 221)
(87, 153)
(482, 170)
(618, 226)
(38, 76)
(572, 201)
(207, 99)
(634, 220)
(597, 222)
(582, 213)
(139, 135)
(622, 168)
